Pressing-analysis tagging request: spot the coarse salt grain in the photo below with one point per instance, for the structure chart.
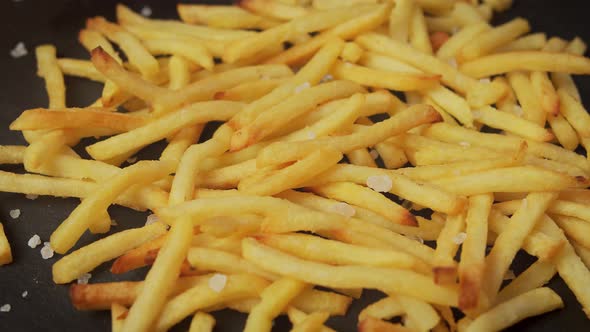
(24, 294)
(19, 50)
(14, 213)
(34, 241)
(132, 160)
(83, 279)
(485, 80)
(460, 238)
(453, 62)
(327, 78)
(146, 11)
(46, 251)
(344, 209)
(379, 183)
(217, 282)
(5, 308)
(302, 87)
(152, 218)
(509, 275)
(31, 196)
(374, 154)
(465, 144)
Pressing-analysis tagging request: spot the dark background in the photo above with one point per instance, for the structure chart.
(47, 306)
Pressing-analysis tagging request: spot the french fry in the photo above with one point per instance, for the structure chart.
(388, 80)
(250, 91)
(196, 53)
(44, 148)
(118, 314)
(451, 48)
(536, 275)
(135, 258)
(229, 176)
(201, 296)
(77, 263)
(574, 228)
(181, 142)
(371, 324)
(452, 103)
(530, 42)
(545, 90)
(134, 50)
(559, 207)
(12, 154)
(68, 233)
(361, 157)
(491, 117)
(433, 172)
(312, 322)
(5, 251)
(529, 304)
(297, 316)
(228, 17)
(418, 34)
(92, 39)
(351, 276)
(207, 259)
(574, 112)
(48, 68)
(154, 131)
(367, 198)
(336, 253)
(202, 322)
(525, 60)
(444, 267)
(472, 263)
(80, 68)
(40, 118)
(160, 278)
(274, 299)
(511, 239)
(493, 39)
(419, 314)
(351, 52)
(524, 90)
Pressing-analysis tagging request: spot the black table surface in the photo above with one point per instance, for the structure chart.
(47, 306)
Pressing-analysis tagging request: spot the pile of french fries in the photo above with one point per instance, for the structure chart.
(264, 212)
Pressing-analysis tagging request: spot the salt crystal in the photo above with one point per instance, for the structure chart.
(485, 80)
(46, 251)
(217, 282)
(374, 154)
(132, 160)
(311, 135)
(32, 196)
(34, 241)
(465, 144)
(14, 213)
(509, 275)
(343, 209)
(379, 183)
(415, 238)
(146, 11)
(152, 218)
(5, 308)
(83, 279)
(460, 238)
(453, 62)
(327, 78)
(302, 87)
(24, 294)
(518, 110)
(19, 50)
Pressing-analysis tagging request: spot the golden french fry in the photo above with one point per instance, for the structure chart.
(194, 52)
(228, 17)
(529, 101)
(574, 112)
(530, 42)
(385, 308)
(536, 275)
(92, 39)
(525, 60)
(68, 233)
(444, 267)
(118, 314)
(491, 117)
(202, 322)
(151, 299)
(12, 154)
(451, 48)
(135, 258)
(351, 276)
(80, 68)
(419, 314)
(297, 317)
(207, 259)
(494, 38)
(5, 251)
(87, 258)
(574, 228)
(531, 303)
(48, 68)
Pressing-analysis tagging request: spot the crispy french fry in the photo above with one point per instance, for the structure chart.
(194, 52)
(536, 275)
(5, 251)
(118, 314)
(228, 17)
(312, 322)
(12, 154)
(351, 276)
(135, 258)
(530, 42)
(529, 304)
(297, 316)
(207, 259)
(80, 68)
(274, 9)
(48, 68)
(574, 228)
(92, 39)
(494, 38)
(529, 101)
(444, 267)
(385, 308)
(87, 258)
(160, 278)
(491, 117)
(574, 112)
(472, 263)
(68, 233)
(451, 48)
(419, 314)
(202, 322)
(525, 60)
